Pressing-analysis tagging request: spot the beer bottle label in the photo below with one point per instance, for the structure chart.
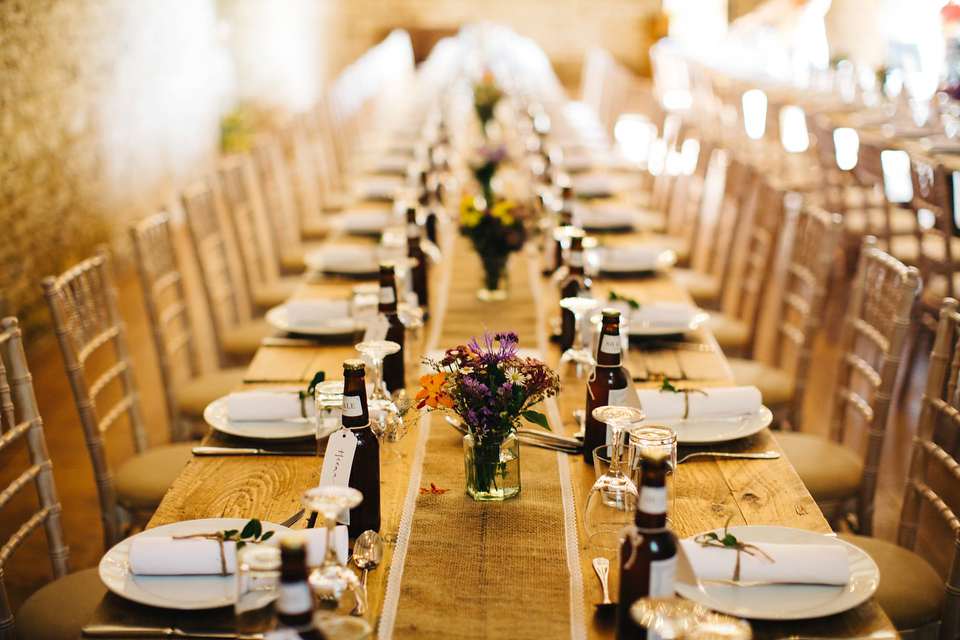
(610, 344)
(576, 259)
(653, 500)
(387, 296)
(413, 231)
(352, 406)
(663, 577)
(294, 598)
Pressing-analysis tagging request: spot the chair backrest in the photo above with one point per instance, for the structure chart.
(167, 309)
(93, 342)
(931, 204)
(303, 172)
(875, 327)
(228, 296)
(20, 418)
(683, 211)
(811, 254)
(831, 176)
(761, 218)
(245, 212)
(275, 182)
(934, 477)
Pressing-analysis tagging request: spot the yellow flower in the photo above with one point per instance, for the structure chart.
(432, 392)
(504, 211)
(469, 215)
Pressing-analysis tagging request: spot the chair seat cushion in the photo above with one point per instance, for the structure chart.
(291, 260)
(142, 480)
(244, 340)
(59, 609)
(702, 287)
(829, 470)
(776, 385)
(911, 592)
(276, 292)
(729, 332)
(195, 394)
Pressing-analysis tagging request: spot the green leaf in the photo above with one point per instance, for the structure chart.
(241, 544)
(730, 540)
(614, 296)
(252, 530)
(536, 418)
(266, 536)
(229, 534)
(666, 385)
(319, 377)
(711, 536)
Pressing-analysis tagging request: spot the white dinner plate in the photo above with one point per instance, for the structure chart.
(682, 318)
(277, 317)
(707, 430)
(174, 592)
(788, 601)
(215, 415)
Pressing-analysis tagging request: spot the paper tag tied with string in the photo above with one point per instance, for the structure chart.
(377, 328)
(338, 462)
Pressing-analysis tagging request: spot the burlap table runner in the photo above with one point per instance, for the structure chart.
(521, 560)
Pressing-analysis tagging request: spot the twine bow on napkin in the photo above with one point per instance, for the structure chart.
(666, 385)
(219, 537)
(729, 541)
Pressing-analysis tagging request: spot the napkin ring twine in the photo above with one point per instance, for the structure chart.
(211, 536)
(686, 398)
(740, 547)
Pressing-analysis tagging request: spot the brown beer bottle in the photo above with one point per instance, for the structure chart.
(607, 385)
(648, 550)
(295, 597)
(393, 376)
(418, 272)
(565, 218)
(575, 284)
(365, 472)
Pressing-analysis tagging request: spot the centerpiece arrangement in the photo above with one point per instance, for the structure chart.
(490, 389)
(496, 230)
(486, 95)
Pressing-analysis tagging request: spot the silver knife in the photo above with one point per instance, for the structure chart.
(246, 451)
(134, 631)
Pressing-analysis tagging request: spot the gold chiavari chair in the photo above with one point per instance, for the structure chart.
(253, 234)
(93, 342)
(923, 601)
(840, 471)
(236, 333)
(187, 389)
(807, 248)
(303, 173)
(59, 608)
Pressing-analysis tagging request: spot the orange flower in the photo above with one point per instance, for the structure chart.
(432, 391)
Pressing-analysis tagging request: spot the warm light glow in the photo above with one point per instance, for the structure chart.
(896, 175)
(793, 129)
(754, 113)
(847, 143)
(689, 152)
(633, 133)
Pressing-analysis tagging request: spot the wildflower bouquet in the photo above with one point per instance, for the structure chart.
(486, 95)
(488, 385)
(485, 166)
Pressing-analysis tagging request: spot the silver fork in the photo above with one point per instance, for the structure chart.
(760, 455)
(292, 520)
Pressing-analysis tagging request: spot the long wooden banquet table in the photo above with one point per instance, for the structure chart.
(455, 568)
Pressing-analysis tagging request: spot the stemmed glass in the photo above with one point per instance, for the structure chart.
(384, 414)
(577, 353)
(335, 588)
(613, 497)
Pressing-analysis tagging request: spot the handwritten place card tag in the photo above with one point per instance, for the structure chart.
(338, 461)
(377, 328)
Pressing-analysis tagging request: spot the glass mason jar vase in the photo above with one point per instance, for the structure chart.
(493, 283)
(492, 467)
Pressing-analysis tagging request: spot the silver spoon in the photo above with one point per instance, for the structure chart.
(761, 455)
(602, 567)
(367, 554)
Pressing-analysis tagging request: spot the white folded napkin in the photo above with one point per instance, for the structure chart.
(263, 405)
(378, 187)
(792, 563)
(310, 313)
(637, 257)
(653, 314)
(606, 217)
(343, 257)
(317, 544)
(721, 402)
(394, 163)
(168, 556)
(365, 220)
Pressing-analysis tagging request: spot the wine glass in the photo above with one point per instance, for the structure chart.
(327, 398)
(336, 589)
(613, 497)
(577, 353)
(384, 415)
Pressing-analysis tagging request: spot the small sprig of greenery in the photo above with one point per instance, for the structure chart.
(252, 532)
(616, 297)
(711, 538)
(317, 379)
(667, 385)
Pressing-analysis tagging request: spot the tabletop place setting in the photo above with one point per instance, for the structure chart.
(495, 404)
